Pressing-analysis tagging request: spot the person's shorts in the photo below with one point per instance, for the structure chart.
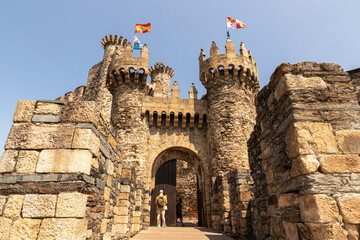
(159, 210)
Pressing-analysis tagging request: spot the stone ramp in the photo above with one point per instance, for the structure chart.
(180, 233)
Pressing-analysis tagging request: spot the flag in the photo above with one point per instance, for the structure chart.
(234, 23)
(137, 45)
(142, 28)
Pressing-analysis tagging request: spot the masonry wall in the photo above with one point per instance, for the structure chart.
(306, 170)
(61, 175)
(186, 186)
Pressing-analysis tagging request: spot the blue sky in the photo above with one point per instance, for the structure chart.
(47, 47)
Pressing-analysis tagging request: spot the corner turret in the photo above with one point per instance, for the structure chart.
(124, 69)
(240, 68)
(161, 76)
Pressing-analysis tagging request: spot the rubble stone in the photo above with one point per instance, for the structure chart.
(350, 208)
(318, 208)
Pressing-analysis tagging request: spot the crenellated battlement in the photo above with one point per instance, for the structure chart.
(161, 77)
(240, 68)
(160, 67)
(111, 40)
(124, 69)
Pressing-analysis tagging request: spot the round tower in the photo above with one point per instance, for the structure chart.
(232, 82)
(161, 76)
(126, 81)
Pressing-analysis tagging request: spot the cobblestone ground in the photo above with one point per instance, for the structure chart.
(180, 233)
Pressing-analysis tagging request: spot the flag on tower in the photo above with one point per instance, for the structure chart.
(137, 45)
(234, 23)
(142, 28)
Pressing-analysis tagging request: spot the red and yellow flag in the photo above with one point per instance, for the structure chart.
(142, 28)
(234, 23)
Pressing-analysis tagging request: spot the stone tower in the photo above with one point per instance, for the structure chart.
(232, 82)
(161, 76)
(126, 80)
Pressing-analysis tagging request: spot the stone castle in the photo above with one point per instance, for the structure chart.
(282, 163)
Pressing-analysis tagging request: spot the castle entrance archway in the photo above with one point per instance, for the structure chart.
(163, 176)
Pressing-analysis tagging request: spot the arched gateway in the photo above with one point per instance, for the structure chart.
(163, 176)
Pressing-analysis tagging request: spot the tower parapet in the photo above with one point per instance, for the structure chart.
(124, 69)
(161, 76)
(240, 68)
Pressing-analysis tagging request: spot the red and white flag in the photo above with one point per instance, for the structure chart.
(234, 23)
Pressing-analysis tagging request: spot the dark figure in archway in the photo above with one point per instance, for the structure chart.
(179, 212)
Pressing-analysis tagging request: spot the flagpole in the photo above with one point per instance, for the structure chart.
(227, 30)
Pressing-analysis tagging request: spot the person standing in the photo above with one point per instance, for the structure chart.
(179, 212)
(161, 202)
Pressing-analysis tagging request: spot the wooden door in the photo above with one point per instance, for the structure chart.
(165, 179)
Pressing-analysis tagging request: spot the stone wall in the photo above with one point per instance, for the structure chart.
(61, 175)
(186, 186)
(306, 171)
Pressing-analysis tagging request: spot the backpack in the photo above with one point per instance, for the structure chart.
(160, 202)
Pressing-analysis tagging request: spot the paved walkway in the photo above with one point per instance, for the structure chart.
(179, 233)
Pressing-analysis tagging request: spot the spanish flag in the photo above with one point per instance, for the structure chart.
(142, 28)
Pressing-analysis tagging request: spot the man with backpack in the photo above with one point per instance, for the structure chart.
(161, 202)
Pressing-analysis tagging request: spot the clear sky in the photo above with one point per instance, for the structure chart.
(47, 47)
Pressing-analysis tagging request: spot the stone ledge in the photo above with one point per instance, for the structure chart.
(51, 101)
(11, 179)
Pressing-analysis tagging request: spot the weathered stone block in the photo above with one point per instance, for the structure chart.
(8, 161)
(39, 205)
(45, 118)
(349, 140)
(40, 136)
(24, 111)
(327, 231)
(5, 224)
(112, 141)
(126, 174)
(63, 228)
(352, 231)
(121, 211)
(86, 139)
(318, 208)
(288, 200)
(110, 168)
(71, 204)
(119, 229)
(107, 192)
(13, 206)
(340, 163)
(304, 164)
(291, 231)
(350, 208)
(310, 138)
(2, 204)
(45, 108)
(80, 111)
(121, 219)
(297, 82)
(25, 229)
(103, 226)
(27, 160)
(64, 161)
